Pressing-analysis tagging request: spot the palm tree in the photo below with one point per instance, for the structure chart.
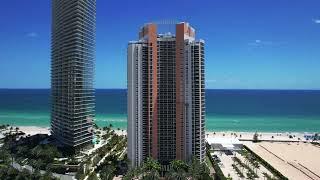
(179, 165)
(17, 129)
(5, 156)
(129, 175)
(151, 169)
(256, 137)
(107, 172)
(150, 164)
(195, 169)
(178, 170)
(95, 126)
(315, 137)
(173, 175)
(93, 176)
(48, 173)
(256, 165)
(229, 177)
(151, 175)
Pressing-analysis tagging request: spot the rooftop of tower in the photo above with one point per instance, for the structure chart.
(166, 29)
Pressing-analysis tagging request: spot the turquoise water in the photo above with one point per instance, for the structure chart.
(227, 110)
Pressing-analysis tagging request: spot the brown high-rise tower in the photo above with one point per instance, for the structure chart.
(166, 94)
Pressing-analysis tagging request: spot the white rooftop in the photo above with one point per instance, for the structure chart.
(224, 141)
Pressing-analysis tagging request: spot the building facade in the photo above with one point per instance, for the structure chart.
(72, 71)
(166, 95)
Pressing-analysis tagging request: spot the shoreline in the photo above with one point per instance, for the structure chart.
(207, 131)
(214, 123)
(241, 135)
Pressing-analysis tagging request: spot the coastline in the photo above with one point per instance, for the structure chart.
(213, 123)
(32, 130)
(241, 135)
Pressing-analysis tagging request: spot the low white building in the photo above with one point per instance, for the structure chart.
(224, 143)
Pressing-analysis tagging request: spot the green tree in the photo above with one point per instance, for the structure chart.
(5, 157)
(195, 169)
(176, 174)
(151, 164)
(316, 137)
(229, 177)
(11, 173)
(107, 172)
(93, 176)
(95, 126)
(133, 173)
(198, 170)
(151, 169)
(178, 170)
(151, 175)
(178, 165)
(11, 128)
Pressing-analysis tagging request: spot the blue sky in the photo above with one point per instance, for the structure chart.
(250, 44)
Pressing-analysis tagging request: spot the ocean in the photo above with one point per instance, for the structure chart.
(226, 110)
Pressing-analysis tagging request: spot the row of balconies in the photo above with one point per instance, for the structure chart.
(75, 62)
(61, 59)
(72, 119)
(72, 24)
(75, 44)
(70, 14)
(71, 116)
(72, 38)
(72, 110)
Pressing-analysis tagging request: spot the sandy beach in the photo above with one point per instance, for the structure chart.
(32, 130)
(242, 136)
(294, 160)
(264, 136)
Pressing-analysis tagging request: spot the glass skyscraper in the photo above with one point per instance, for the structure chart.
(72, 71)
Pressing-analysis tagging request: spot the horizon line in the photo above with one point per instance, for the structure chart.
(270, 89)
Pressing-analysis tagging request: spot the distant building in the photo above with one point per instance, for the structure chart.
(225, 144)
(166, 95)
(72, 71)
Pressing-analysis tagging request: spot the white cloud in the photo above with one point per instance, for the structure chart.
(259, 42)
(32, 34)
(263, 43)
(317, 21)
